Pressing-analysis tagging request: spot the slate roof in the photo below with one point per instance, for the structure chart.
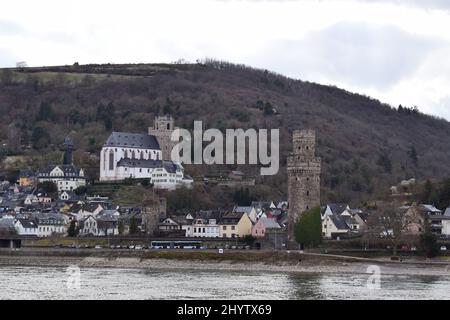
(132, 140)
(209, 214)
(68, 170)
(447, 212)
(269, 223)
(28, 224)
(339, 223)
(430, 208)
(231, 217)
(337, 208)
(170, 166)
(246, 210)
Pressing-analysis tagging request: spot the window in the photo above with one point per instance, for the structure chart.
(111, 160)
(233, 228)
(224, 228)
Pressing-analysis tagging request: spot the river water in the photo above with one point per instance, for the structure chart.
(107, 283)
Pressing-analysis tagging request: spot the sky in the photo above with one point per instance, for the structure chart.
(392, 50)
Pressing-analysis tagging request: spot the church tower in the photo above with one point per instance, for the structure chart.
(162, 130)
(68, 150)
(303, 170)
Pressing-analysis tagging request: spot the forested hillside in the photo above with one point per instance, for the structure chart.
(366, 146)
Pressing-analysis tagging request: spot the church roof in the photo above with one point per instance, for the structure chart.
(132, 140)
(150, 163)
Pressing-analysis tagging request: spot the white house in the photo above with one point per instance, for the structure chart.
(162, 174)
(66, 177)
(51, 224)
(83, 211)
(25, 227)
(30, 199)
(206, 224)
(101, 226)
(89, 226)
(334, 227)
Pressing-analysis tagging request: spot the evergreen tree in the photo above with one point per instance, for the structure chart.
(72, 232)
(133, 226)
(308, 229)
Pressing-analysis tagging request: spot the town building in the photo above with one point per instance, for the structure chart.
(67, 176)
(264, 226)
(26, 227)
(235, 225)
(50, 224)
(206, 224)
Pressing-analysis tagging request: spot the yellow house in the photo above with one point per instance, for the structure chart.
(26, 178)
(235, 225)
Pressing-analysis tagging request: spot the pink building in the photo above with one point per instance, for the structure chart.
(263, 226)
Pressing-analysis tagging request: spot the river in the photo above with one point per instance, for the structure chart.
(115, 283)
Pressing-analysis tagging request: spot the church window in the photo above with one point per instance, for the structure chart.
(111, 160)
(307, 193)
(168, 126)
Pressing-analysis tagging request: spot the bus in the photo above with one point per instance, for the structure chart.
(187, 244)
(176, 244)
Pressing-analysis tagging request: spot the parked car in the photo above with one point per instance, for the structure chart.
(443, 248)
(98, 247)
(130, 247)
(138, 247)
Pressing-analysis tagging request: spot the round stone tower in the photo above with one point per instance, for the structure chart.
(303, 169)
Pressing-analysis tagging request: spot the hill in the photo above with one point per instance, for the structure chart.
(366, 146)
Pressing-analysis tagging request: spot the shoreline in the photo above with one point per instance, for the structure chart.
(326, 266)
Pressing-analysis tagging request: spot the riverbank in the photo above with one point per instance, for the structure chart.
(280, 262)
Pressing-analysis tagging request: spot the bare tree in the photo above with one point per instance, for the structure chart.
(391, 222)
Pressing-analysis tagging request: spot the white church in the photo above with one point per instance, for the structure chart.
(139, 156)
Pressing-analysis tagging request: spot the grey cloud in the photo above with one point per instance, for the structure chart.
(10, 28)
(425, 4)
(353, 53)
(7, 59)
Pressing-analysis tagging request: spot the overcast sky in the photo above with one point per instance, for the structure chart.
(396, 51)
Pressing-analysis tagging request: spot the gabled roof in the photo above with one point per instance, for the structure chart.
(68, 170)
(447, 212)
(170, 166)
(232, 217)
(339, 222)
(337, 208)
(208, 214)
(246, 210)
(269, 223)
(132, 140)
(430, 208)
(28, 224)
